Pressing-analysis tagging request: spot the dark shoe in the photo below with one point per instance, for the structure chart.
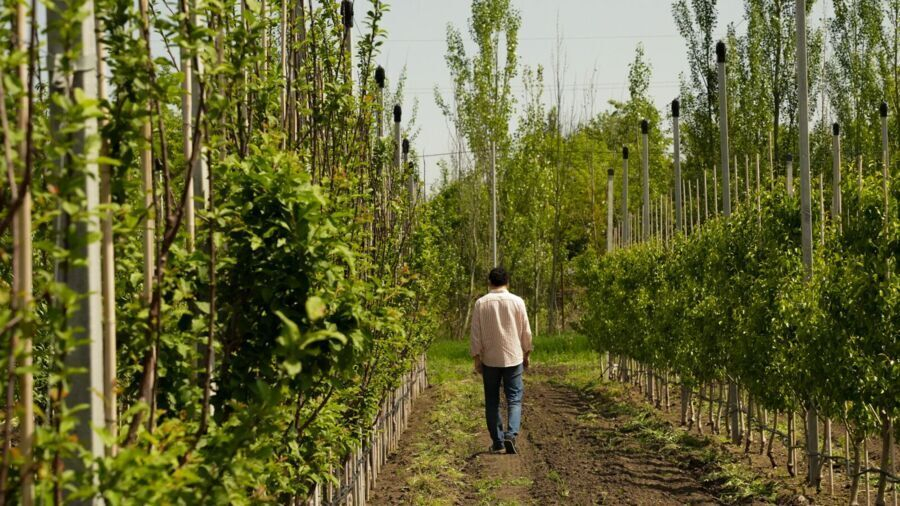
(510, 444)
(497, 447)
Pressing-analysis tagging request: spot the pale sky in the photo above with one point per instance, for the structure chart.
(599, 38)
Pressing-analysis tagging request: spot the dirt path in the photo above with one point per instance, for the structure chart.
(570, 453)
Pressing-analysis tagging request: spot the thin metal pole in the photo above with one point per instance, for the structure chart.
(812, 418)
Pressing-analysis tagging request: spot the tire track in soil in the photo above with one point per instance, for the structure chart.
(565, 457)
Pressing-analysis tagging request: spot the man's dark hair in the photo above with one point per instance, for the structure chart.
(498, 277)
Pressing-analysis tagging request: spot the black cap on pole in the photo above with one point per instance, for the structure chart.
(405, 145)
(379, 76)
(609, 172)
(883, 109)
(347, 13)
(676, 108)
(645, 126)
(720, 52)
(789, 157)
(625, 152)
(836, 129)
(398, 113)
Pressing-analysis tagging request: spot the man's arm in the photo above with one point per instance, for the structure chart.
(525, 338)
(475, 340)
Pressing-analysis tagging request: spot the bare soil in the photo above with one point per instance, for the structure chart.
(573, 450)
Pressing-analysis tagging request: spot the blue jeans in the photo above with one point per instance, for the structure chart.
(511, 377)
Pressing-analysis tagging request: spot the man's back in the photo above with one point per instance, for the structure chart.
(500, 329)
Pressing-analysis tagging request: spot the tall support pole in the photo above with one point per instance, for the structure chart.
(609, 210)
(347, 22)
(789, 163)
(726, 210)
(494, 203)
(836, 200)
(812, 418)
(610, 246)
(411, 176)
(676, 133)
(398, 147)
(723, 130)
(625, 216)
(887, 428)
(379, 118)
(645, 179)
(395, 166)
(23, 269)
(107, 269)
(81, 271)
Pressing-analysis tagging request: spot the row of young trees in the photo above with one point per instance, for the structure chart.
(210, 249)
(550, 168)
(801, 321)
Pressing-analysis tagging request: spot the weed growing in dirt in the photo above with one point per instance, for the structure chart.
(561, 488)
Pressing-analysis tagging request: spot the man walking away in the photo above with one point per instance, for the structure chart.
(500, 347)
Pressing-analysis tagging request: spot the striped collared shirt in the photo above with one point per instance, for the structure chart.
(500, 330)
